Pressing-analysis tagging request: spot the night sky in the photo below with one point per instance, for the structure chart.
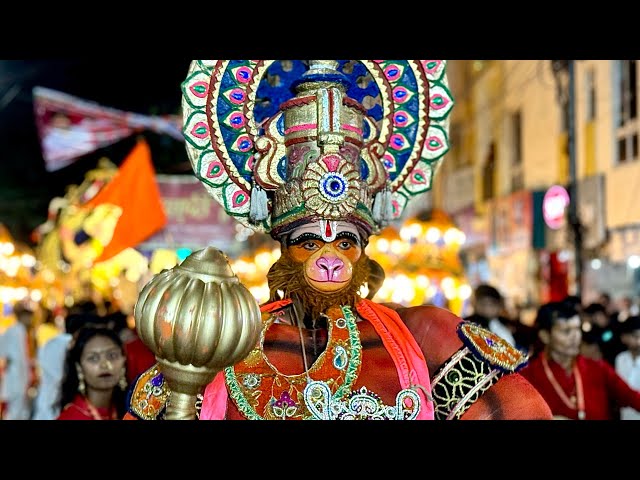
(151, 87)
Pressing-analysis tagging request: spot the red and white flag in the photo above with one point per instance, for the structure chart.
(70, 127)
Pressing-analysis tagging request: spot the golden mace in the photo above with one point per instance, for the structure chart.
(197, 318)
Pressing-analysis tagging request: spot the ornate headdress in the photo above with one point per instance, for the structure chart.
(281, 143)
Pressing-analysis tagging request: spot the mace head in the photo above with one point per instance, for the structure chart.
(198, 313)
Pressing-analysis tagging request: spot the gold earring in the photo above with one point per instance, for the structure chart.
(123, 380)
(82, 387)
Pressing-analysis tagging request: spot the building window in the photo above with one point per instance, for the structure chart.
(627, 111)
(622, 150)
(517, 176)
(591, 95)
(460, 157)
(488, 173)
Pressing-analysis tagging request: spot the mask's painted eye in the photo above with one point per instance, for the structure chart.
(345, 244)
(311, 246)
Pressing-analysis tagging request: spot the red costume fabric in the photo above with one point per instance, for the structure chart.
(81, 409)
(604, 390)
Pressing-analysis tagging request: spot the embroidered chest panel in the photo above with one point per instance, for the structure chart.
(326, 392)
(260, 391)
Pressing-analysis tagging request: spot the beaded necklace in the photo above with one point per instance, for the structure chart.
(575, 402)
(261, 392)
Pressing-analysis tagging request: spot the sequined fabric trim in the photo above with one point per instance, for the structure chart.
(484, 358)
(361, 404)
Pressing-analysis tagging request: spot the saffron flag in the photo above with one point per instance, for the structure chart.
(131, 201)
(70, 127)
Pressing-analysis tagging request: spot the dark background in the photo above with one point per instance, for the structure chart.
(150, 87)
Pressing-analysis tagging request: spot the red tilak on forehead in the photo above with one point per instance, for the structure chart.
(327, 230)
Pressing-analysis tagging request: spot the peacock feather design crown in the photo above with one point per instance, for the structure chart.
(281, 143)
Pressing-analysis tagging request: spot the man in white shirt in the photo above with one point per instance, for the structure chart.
(627, 362)
(50, 358)
(488, 306)
(14, 389)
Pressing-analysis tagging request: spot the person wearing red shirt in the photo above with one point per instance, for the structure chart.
(575, 387)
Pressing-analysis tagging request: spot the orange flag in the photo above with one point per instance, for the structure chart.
(133, 193)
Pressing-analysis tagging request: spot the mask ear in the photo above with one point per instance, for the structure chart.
(544, 336)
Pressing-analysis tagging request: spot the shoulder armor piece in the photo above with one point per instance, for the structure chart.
(469, 372)
(491, 348)
(149, 395)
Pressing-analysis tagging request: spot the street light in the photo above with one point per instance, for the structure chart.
(563, 71)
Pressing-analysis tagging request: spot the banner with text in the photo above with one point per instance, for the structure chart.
(195, 220)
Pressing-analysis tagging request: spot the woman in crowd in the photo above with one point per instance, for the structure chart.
(94, 386)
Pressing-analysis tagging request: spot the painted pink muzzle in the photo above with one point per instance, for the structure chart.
(329, 269)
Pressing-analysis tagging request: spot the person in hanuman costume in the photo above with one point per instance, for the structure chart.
(322, 154)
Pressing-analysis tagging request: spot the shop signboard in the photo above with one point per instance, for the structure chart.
(591, 208)
(511, 223)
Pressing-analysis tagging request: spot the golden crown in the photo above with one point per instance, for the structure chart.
(321, 155)
(323, 142)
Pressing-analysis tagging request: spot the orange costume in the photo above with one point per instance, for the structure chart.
(321, 175)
